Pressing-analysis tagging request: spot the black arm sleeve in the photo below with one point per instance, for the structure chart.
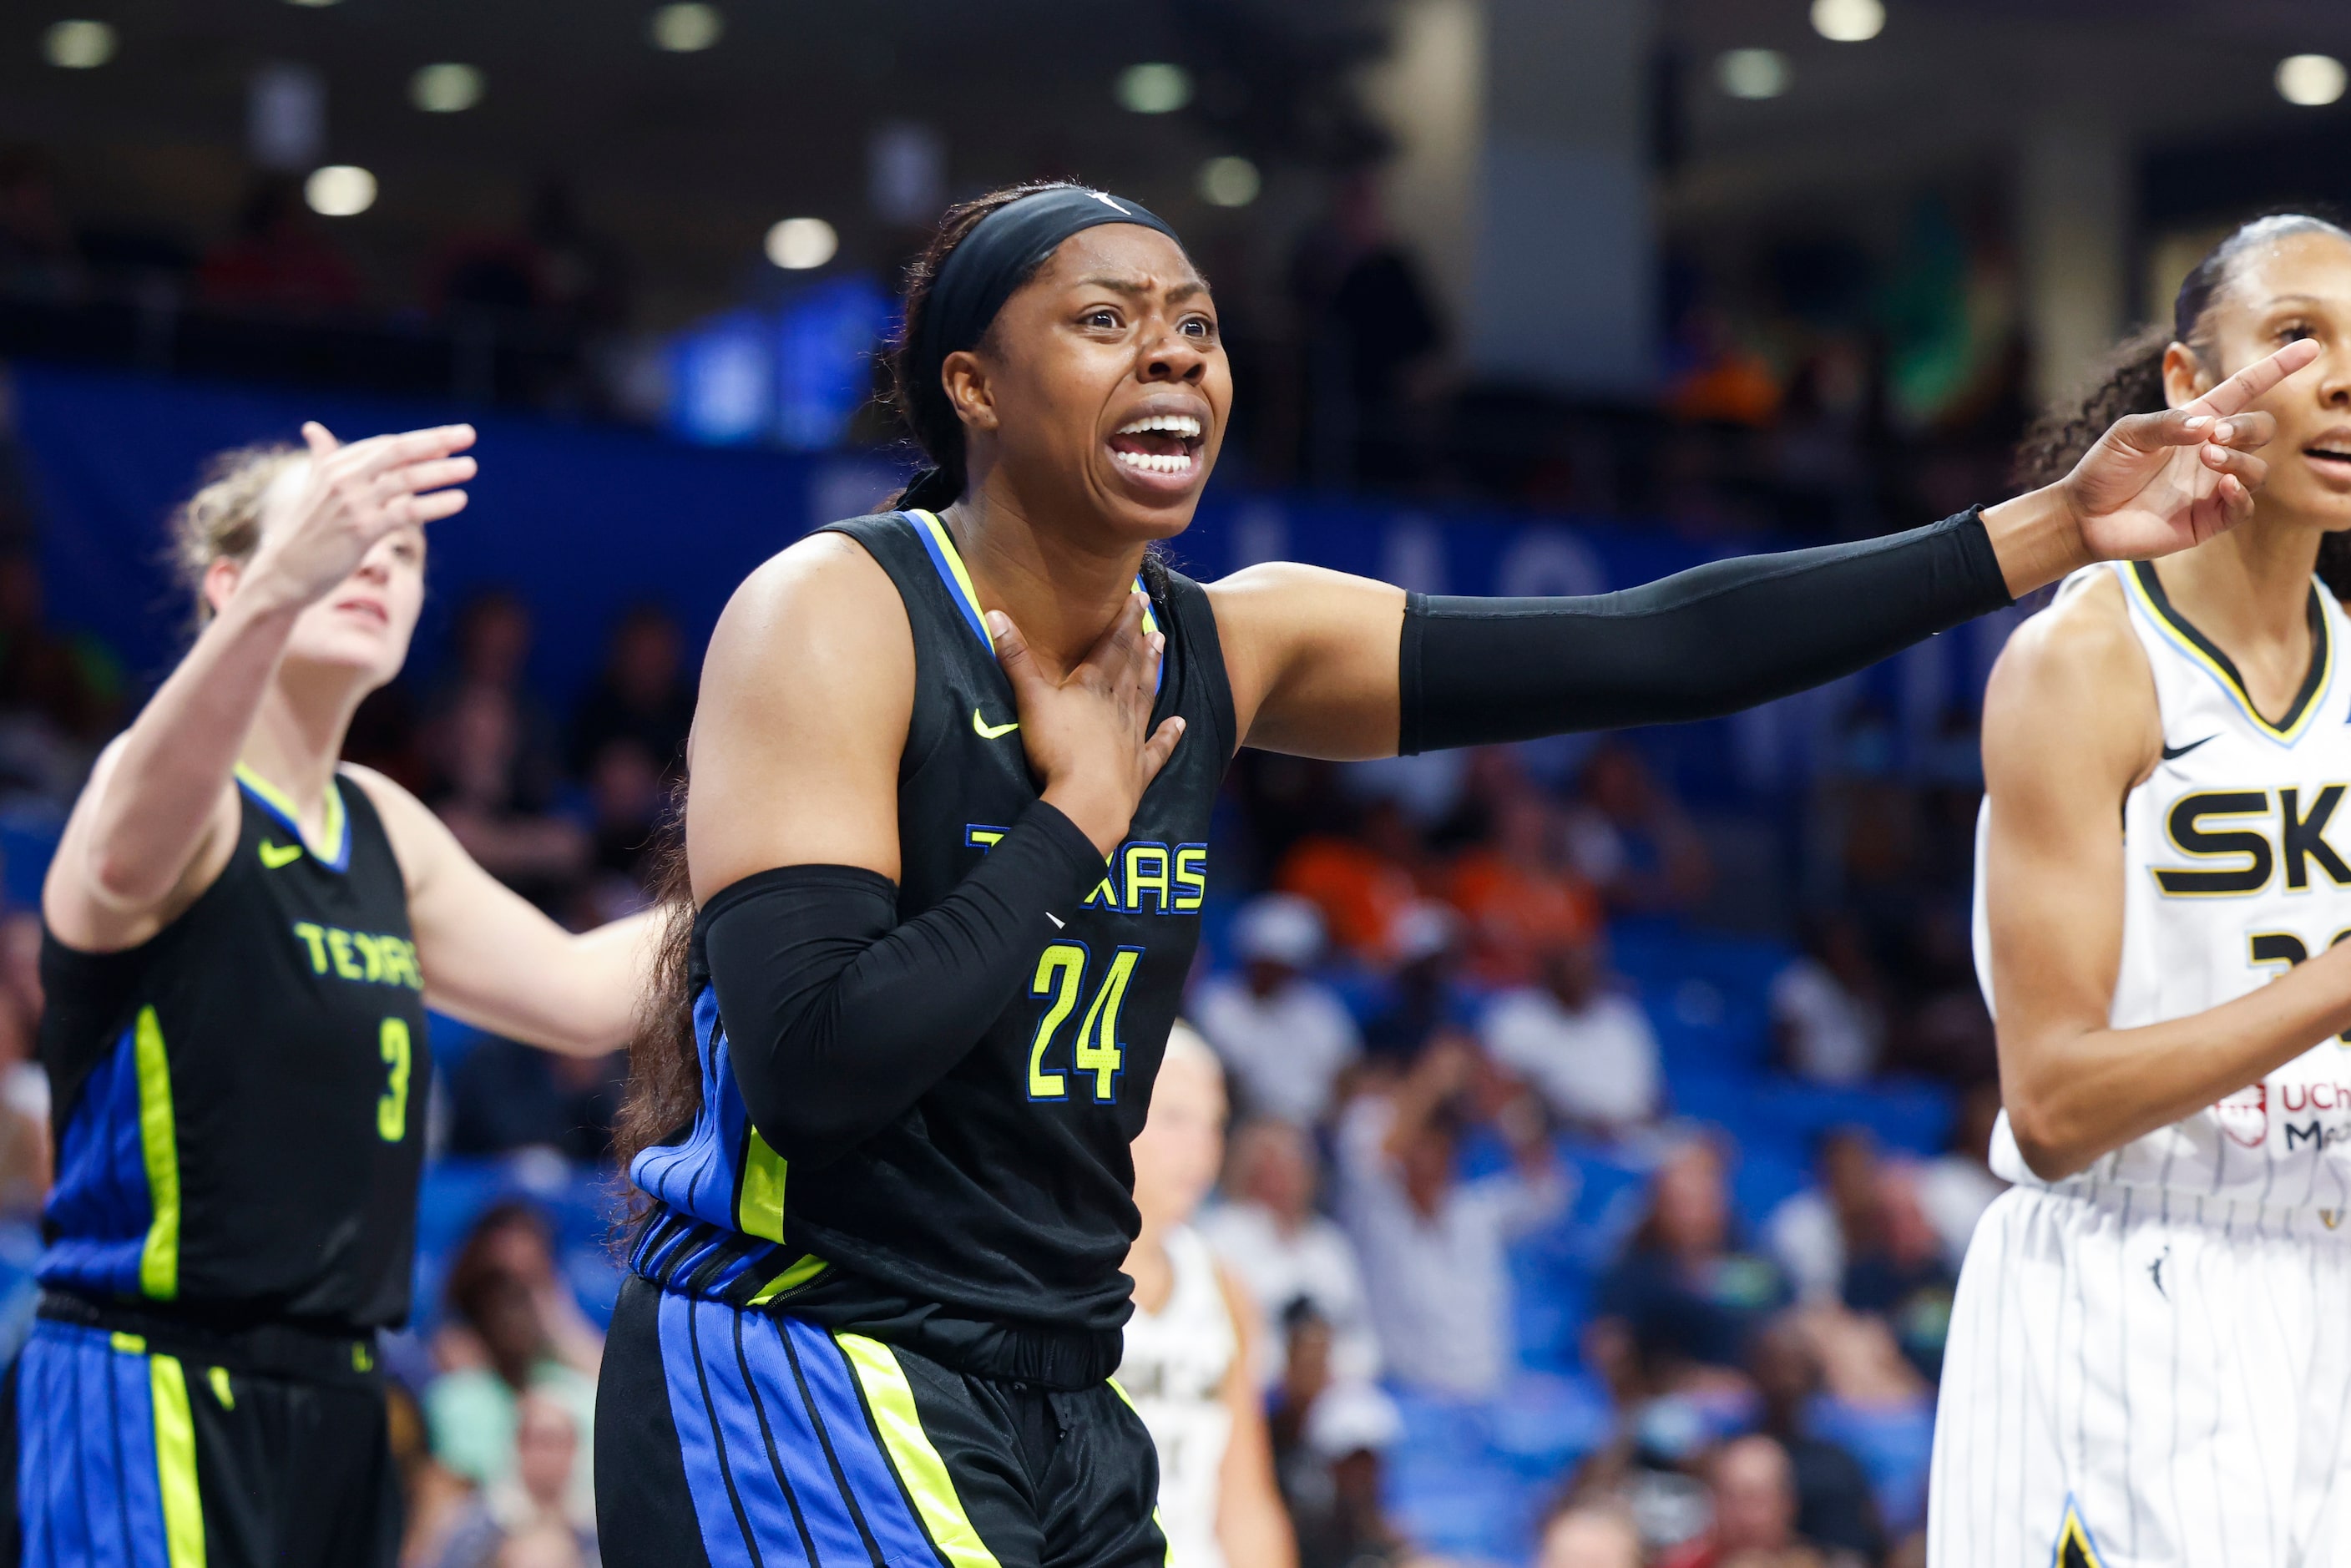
(838, 1017)
(1702, 642)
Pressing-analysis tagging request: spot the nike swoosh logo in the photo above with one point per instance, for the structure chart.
(1059, 924)
(2173, 753)
(986, 731)
(276, 855)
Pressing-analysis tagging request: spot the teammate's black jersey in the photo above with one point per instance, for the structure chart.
(987, 1225)
(239, 1101)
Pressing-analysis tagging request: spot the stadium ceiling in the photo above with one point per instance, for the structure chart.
(1961, 85)
(692, 154)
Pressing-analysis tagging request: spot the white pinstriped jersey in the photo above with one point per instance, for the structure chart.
(2237, 853)
(1175, 1367)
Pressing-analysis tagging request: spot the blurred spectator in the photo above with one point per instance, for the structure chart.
(1629, 837)
(60, 698)
(1433, 1246)
(625, 799)
(1835, 1505)
(1578, 1042)
(280, 259)
(1589, 1536)
(1957, 1185)
(1811, 1233)
(489, 645)
(538, 1496)
(515, 1329)
(1363, 880)
(1369, 333)
(506, 1096)
(1901, 1275)
(496, 761)
(1283, 1252)
(523, 845)
(1754, 1512)
(1328, 1438)
(1826, 1007)
(1423, 997)
(25, 1163)
(1683, 1295)
(1284, 1036)
(36, 249)
(543, 1546)
(1517, 892)
(642, 696)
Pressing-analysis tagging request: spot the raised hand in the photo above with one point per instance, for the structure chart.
(1089, 735)
(2156, 482)
(353, 496)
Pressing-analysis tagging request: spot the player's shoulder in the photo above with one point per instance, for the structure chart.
(2080, 645)
(825, 590)
(2075, 669)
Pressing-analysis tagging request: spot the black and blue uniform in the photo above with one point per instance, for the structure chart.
(903, 1354)
(239, 1121)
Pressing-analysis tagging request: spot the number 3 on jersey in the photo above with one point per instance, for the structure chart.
(1060, 976)
(391, 1106)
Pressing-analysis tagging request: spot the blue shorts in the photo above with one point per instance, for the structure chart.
(728, 1437)
(115, 1454)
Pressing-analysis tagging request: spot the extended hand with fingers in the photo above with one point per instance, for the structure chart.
(2157, 483)
(1089, 735)
(353, 496)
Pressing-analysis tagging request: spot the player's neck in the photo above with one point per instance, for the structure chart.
(1061, 585)
(298, 735)
(2247, 591)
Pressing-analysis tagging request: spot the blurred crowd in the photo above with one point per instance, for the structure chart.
(1822, 385)
(1470, 1158)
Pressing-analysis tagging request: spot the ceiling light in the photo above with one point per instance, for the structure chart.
(1848, 21)
(1230, 182)
(78, 46)
(1156, 88)
(1752, 73)
(683, 28)
(2311, 80)
(445, 89)
(340, 191)
(797, 245)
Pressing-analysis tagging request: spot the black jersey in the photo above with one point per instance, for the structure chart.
(239, 1100)
(987, 1224)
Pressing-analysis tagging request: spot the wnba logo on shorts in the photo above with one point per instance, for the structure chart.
(2244, 1116)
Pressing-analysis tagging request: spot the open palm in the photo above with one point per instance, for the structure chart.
(2156, 482)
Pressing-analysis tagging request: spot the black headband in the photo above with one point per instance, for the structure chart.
(998, 254)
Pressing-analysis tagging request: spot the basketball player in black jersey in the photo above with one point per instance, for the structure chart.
(242, 938)
(948, 838)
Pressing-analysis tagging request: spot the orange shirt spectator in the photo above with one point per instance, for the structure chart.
(1515, 899)
(1361, 893)
(1364, 875)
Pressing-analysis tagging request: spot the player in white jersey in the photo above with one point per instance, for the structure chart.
(2148, 1359)
(1189, 1367)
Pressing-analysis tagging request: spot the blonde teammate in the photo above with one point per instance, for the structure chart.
(1189, 1363)
(2147, 1363)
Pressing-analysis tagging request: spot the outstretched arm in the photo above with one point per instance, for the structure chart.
(494, 959)
(1328, 665)
(159, 816)
(2075, 1087)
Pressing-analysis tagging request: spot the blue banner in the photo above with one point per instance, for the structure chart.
(582, 520)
